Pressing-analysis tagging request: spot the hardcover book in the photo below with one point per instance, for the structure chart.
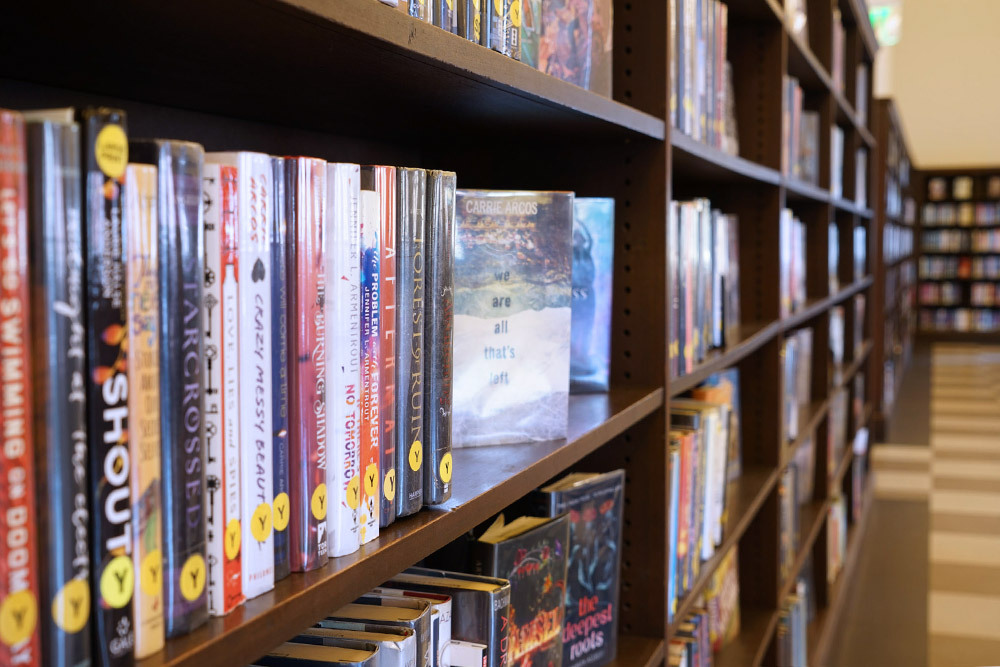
(343, 343)
(504, 30)
(512, 316)
(279, 370)
(441, 618)
(370, 337)
(439, 336)
(181, 253)
(306, 195)
(530, 553)
(142, 267)
(593, 269)
(385, 189)
(19, 572)
(402, 612)
(104, 161)
(410, 288)
(397, 646)
(291, 654)
(59, 370)
(470, 20)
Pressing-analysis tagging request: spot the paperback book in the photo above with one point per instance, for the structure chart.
(281, 503)
(370, 352)
(593, 269)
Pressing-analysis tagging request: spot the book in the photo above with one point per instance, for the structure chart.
(722, 599)
(306, 202)
(531, 553)
(724, 387)
(397, 646)
(385, 179)
(142, 291)
(788, 522)
(410, 351)
(180, 244)
(281, 502)
(504, 33)
(674, 518)
(531, 31)
(439, 318)
(343, 343)
(411, 613)
(58, 355)
(222, 383)
(480, 606)
(441, 609)
(468, 654)
(19, 507)
(104, 160)
(470, 20)
(445, 15)
(513, 300)
(292, 654)
(593, 269)
(418, 9)
(595, 504)
(370, 355)
(837, 161)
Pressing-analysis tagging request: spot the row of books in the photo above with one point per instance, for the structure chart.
(792, 263)
(963, 188)
(940, 294)
(838, 336)
(838, 157)
(704, 456)
(858, 250)
(702, 101)
(898, 205)
(966, 214)
(796, 359)
(713, 623)
(967, 268)
(800, 134)
(569, 39)
(955, 240)
(704, 273)
(797, 611)
(897, 242)
(959, 319)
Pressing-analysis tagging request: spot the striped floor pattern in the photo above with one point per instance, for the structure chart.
(959, 477)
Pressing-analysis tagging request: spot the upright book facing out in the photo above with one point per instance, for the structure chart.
(370, 355)
(279, 369)
(593, 268)
(386, 188)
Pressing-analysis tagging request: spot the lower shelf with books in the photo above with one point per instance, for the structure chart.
(491, 477)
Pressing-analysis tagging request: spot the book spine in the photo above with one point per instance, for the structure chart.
(254, 210)
(412, 190)
(370, 332)
(446, 15)
(59, 353)
(306, 194)
(439, 336)
(18, 529)
(344, 343)
(504, 30)
(279, 370)
(470, 20)
(144, 406)
(385, 188)
(182, 385)
(672, 517)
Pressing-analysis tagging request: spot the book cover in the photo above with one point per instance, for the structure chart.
(602, 48)
(531, 31)
(533, 559)
(439, 336)
(104, 159)
(144, 405)
(180, 243)
(593, 272)
(344, 344)
(675, 305)
(397, 646)
(370, 338)
(722, 598)
(222, 427)
(513, 298)
(306, 195)
(58, 354)
(279, 370)
(594, 504)
(724, 388)
(386, 189)
(565, 46)
(505, 26)
(410, 286)
(19, 572)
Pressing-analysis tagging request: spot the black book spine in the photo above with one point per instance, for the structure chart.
(439, 313)
(182, 385)
(410, 272)
(59, 371)
(470, 20)
(105, 156)
(279, 365)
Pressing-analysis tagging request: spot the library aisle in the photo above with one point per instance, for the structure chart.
(928, 588)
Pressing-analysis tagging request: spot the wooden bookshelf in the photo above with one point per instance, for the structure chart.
(355, 80)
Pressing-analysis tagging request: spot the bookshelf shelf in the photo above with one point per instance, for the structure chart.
(753, 337)
(696, 161)
(799, 190)
(818, 306)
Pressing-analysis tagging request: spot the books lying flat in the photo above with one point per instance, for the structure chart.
(403, 612)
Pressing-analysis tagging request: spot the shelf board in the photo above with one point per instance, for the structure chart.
(637, 651)
(744, 498)
(805, 66)
(814, 307)
(799, 190)
(752, 337)
(852, 207)
(757, 626)
(695, 161)
(837, 478)
(353, 66)
(487, 480)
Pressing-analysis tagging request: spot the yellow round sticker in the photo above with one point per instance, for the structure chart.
(353, 492)
(151, 575)
(389, 484)
(515, 13)
(318, 502)
(498, 6)
(111, 151)
(260, 523)
(445, 468)
(193, 577)
(117, 582)
(371, 480)
(416, 456)
(71, 606)
(233, 536)
(281, 512)
(18, 617)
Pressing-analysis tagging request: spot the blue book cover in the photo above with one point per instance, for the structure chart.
(593, 269)
(675, 480)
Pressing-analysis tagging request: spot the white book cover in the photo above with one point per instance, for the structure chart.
(467, 654)
(344, 346)
(255, 203)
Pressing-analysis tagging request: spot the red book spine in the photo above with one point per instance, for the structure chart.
(385, 186)
(684, 513)
(307, 445)
(19, 637)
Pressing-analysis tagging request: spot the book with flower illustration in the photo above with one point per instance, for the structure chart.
(530, 552)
